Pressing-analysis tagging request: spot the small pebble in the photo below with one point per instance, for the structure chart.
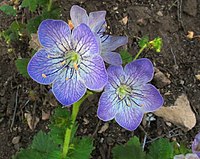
(16, 139)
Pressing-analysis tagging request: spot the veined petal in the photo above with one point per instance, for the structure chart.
(115, 77)
(196, 145)
(111, 43)
(148, 97)
(93, 72)
(139, 72)
(112, 58)
(129, 117)
(85, 42)
(55, 34)
(107, 107)
(191, 156)
(78, 15)
(44, 69)
(68, 90)
(97, 21)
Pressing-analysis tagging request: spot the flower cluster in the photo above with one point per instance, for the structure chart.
(72, 61)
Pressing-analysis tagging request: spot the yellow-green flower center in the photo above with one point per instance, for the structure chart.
(123, 90)
(73, 59)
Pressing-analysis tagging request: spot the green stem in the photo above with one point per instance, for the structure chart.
(75, 110)
(140, 51)
(49, 5)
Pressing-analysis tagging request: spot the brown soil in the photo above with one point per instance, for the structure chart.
(179, 59)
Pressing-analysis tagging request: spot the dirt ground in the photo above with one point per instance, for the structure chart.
(179, 59)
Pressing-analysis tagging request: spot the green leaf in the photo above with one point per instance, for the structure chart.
(143, 41)
(21, 65)
(59, 123)
(131, 150)
(31, 4)
(126, 56)
(180, 148)
(42, 3)
(32, 25)
(81, 148)
(43, 143)
(9, 10)
(28, 153)
(160, 148)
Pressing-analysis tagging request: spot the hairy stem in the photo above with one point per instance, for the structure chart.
(49, 5)
(140, 51)
(75, 110)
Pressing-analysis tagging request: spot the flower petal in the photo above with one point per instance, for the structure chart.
(196, 145)
(55, 34)
(110, 43)
(115, 77)
(78, 15)
(43, 69)
(93, 72)
(148, 97)
(191, 156)
(112, 58)
(68, 91)
(107, 107)
(97, 21)
(139, 72)
(85, 41)
(129, 117)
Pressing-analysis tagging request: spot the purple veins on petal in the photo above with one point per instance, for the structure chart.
(127, 95)
(43, 68)
(68, 90)
(139, 72)
(112, 58)
(107, 106)
(84, 40)
(78, 15)
(196, 145)
(93, 72)
(111, 43)
(55, 34)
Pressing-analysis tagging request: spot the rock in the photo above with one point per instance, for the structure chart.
(179, 114)
(160, 79)
(124, 20)
(190, 7)
(16, 139)
(197, 77)
(45, 114)
(159, 13)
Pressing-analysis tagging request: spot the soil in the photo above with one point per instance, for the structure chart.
(179, 59)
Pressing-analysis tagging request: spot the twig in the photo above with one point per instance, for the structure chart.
(96, 129)
(15, 110)
(174, 57)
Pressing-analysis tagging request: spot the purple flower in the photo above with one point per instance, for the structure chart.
(70, 61)
(97, 23)
(127, 95)
(196, 145)
(187, 156)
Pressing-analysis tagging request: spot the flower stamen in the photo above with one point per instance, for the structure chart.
(44, 76)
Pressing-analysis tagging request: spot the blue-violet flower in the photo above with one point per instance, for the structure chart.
(97, 23)
(187, 156)
(196, 145)
(69, 60)
(127, 95)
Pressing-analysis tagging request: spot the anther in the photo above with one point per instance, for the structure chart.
(64, 62)
(75, 66)
(66, 78)
(44, 76)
